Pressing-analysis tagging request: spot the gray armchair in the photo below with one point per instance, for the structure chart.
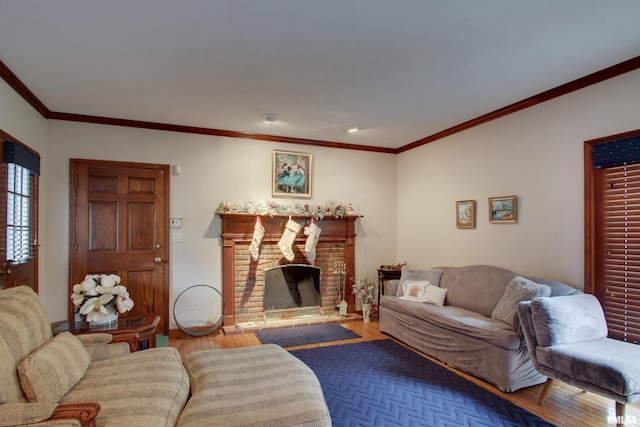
(567, 341)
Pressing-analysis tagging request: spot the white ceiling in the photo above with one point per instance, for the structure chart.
(400, 69)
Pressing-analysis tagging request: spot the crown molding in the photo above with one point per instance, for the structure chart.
(212, 132)
(22, 90)
(581, 83)
(616, 70)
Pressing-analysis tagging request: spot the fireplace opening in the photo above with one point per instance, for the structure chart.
(291, 290)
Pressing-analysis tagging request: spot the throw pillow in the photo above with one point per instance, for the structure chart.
(416, 274)
(52, 370)
(414, 290)
(435, 295)
(519, 289)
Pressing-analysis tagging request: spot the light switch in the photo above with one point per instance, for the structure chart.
(175, 222)
(176, 238)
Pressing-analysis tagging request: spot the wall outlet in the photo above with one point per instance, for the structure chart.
(191, 304)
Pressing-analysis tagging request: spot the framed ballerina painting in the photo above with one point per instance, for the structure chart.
(291, 174)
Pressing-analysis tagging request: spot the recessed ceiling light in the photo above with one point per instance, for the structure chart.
(352, 129)
(270, 117)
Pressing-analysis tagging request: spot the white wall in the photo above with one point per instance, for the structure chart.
(215, 169)
(536, 154)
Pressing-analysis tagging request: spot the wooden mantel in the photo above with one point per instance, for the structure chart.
(238, 228)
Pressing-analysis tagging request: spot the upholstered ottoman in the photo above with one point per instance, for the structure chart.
(252, 386)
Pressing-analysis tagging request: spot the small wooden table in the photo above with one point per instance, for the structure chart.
(139, 332)
(387, 273)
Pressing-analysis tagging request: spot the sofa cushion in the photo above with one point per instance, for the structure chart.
(518, 290)
(609, 363)
(144, 389)
(568, 319)
(455, 319)
(52, 370)
(416, 274)
(24, 327)
(390, 287)
(475, 287)
(253, 386)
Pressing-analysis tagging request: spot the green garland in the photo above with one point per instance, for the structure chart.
(291, 208)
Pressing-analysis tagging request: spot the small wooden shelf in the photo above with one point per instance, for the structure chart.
(385, 274)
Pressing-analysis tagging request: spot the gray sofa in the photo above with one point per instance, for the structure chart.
(476, 329)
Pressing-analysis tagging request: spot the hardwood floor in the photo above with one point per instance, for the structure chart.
(565, 405)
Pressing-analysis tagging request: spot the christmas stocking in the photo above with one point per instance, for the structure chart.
(288, 237)
(313, 231)
(258, 233)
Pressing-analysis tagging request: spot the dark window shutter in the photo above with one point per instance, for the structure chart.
(621, 251)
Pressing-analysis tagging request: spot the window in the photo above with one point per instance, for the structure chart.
(21, 214)
(19, 176)
(612, 232)
(621, 251)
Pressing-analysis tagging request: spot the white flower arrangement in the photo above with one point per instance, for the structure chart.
(366, 290)
(97, 292)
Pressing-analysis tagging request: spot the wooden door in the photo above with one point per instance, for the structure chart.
(119, 225)
(19, 213)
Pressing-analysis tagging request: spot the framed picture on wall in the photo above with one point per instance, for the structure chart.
(466, 214)
(503, 209)
(291, 174)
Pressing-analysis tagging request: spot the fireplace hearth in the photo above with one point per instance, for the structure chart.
(244, 279)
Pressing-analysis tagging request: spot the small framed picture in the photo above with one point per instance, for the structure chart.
(291, 174)
(466, 214)
(503, 209)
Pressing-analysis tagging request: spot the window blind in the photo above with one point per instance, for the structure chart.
(621, 251)
(21, 214)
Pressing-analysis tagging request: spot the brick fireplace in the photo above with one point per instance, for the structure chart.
(243, 278)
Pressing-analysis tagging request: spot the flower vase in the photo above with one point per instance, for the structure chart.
(366, 312)
(106, 319)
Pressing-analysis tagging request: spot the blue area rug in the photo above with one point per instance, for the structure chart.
(381, 383)
(301, 335)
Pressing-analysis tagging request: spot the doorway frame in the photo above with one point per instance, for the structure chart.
(73, 184)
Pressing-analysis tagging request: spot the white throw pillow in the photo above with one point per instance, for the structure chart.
(414, 290)
(435, 295)
(410, 274)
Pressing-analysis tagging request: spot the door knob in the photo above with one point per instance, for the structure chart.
(157, 260)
